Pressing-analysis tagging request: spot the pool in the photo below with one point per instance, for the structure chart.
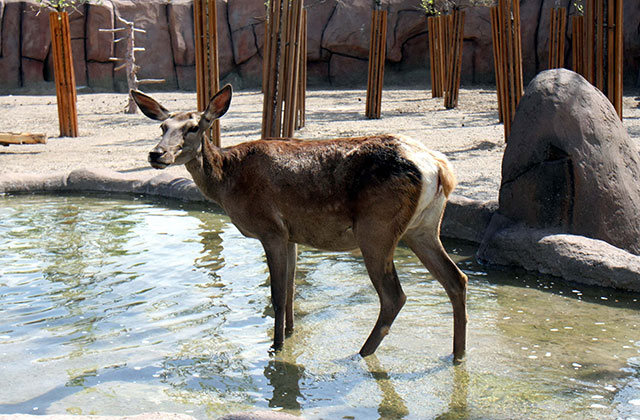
(114, 305)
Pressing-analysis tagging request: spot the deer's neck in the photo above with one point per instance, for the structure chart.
(206, 170)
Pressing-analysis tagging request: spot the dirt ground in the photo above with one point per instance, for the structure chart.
(469, 135)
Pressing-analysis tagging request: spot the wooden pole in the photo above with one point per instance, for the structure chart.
(64, 74)
(302, 88)
(577, 43)
(508, 47)
(284, 77)
(603, 44)
(205, 18)
(618, 51)
(497, 60)
(377, 56)
(454, 65)
(557, 30)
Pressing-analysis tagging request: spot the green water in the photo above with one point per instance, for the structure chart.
(114, 306)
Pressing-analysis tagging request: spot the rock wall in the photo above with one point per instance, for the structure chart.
(337, 44)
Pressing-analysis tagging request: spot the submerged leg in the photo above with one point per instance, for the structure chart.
(292, 251)
(378, 258)
(277, 257)
(429, 249)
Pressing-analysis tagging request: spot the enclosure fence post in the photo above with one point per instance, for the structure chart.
(454, 64)
(603, 31)
(64, 74)
(557, 30)
(508, 45)
(205, 22)
(284, 68)
(577, 43)
(497, 60)
(377, 56)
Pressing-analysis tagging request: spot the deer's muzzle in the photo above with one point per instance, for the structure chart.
(160, 158)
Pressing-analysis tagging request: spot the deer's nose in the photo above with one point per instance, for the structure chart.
(156, 154)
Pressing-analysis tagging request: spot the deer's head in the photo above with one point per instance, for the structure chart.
(182, 132)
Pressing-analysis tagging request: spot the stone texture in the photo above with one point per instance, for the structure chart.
(244, 16)
(574, 258)
(182, 32)
(36, 36)
(99, 45)
(100, 75)
(11, 36)
(347, 71)
(467, 219)
(570, 164)
(348, 30)
(318, 14)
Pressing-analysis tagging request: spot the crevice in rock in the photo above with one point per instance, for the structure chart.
(324, 29)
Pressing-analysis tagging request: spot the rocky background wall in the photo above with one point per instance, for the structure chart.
(338, 43)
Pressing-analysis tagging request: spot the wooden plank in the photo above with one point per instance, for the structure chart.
(22, 138)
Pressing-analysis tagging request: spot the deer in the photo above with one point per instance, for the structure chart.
(342, 194)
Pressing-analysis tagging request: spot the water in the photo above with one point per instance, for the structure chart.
(117, 306)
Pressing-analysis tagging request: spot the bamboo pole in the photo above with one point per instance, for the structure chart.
(284, 77)
(557, 29)
(432, 53)
(497, 63)
(302, 88)
(618, 52)
(207, 67)
(508, 48)
(589, 26)
(377, 56)
(603, 45)
(64, 74)
(454, 65)
(577, 43)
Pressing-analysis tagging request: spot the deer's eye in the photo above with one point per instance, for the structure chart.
(192, 129)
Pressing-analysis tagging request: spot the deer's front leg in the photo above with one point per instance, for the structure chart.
(292, 254)
(277, 252)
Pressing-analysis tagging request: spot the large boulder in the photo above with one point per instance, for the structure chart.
(570, 165)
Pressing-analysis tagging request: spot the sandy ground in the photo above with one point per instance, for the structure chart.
(469, 135)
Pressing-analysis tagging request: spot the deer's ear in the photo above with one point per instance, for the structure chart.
(218, 105)
(149, 106)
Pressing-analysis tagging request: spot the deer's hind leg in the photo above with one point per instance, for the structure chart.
(428, 248)
(377, 251)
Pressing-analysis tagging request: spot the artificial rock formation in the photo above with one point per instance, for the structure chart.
(569, 200)
(570, 165)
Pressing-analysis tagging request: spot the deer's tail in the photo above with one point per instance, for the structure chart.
(446, 177)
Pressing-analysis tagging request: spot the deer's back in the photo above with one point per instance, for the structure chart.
(319, 188)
